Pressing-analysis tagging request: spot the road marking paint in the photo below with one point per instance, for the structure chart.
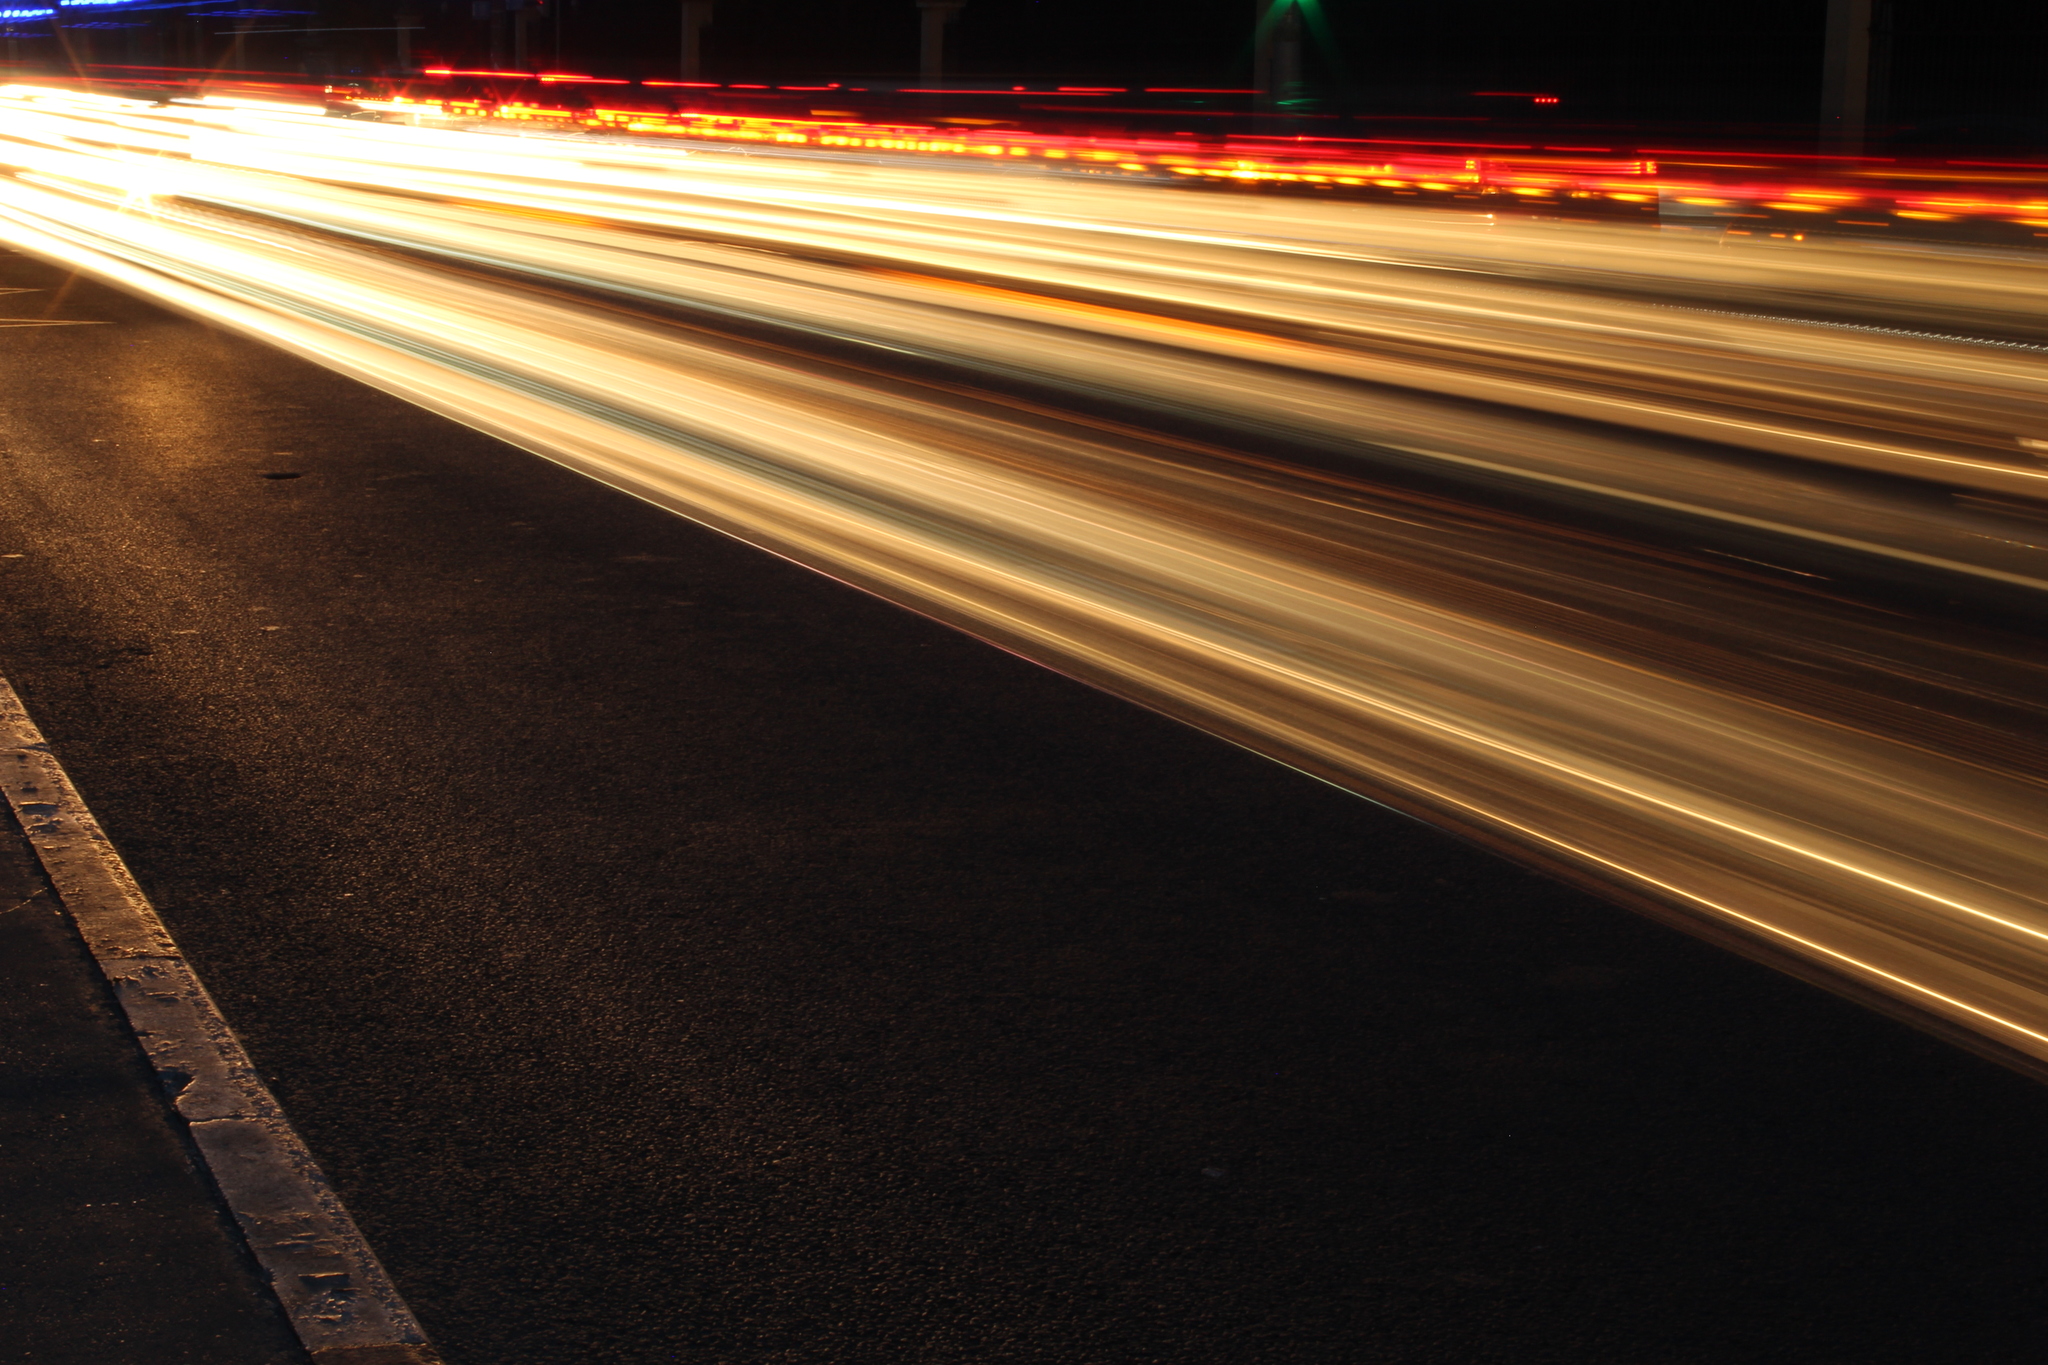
(333, 1289)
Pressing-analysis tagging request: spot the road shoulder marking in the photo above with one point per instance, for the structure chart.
(331, 1285)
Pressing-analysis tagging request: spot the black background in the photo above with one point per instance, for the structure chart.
(1739, 62)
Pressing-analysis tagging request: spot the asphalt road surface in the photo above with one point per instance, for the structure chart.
(675, 955)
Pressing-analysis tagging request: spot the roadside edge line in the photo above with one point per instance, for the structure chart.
(333, 1289)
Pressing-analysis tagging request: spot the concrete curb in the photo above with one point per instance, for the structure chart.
(333, 1289)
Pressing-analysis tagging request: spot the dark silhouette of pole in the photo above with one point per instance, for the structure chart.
(934, 16)
(1276, 55)
(696, 18)
(1262, 53)
(1855, 70)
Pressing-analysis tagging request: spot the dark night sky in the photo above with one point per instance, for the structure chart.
(1732, 62)
(1736, 59)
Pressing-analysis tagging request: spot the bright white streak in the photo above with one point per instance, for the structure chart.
(1916, 872)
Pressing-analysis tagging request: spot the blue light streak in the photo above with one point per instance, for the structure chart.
(10, 16)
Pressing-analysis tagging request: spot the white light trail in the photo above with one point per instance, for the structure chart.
(1160, 439)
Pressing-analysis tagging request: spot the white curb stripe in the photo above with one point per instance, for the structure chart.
(336, 1294)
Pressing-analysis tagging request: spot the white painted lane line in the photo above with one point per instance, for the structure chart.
(332, 1287)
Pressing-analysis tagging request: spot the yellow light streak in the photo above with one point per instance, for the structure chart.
(1565, 693)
